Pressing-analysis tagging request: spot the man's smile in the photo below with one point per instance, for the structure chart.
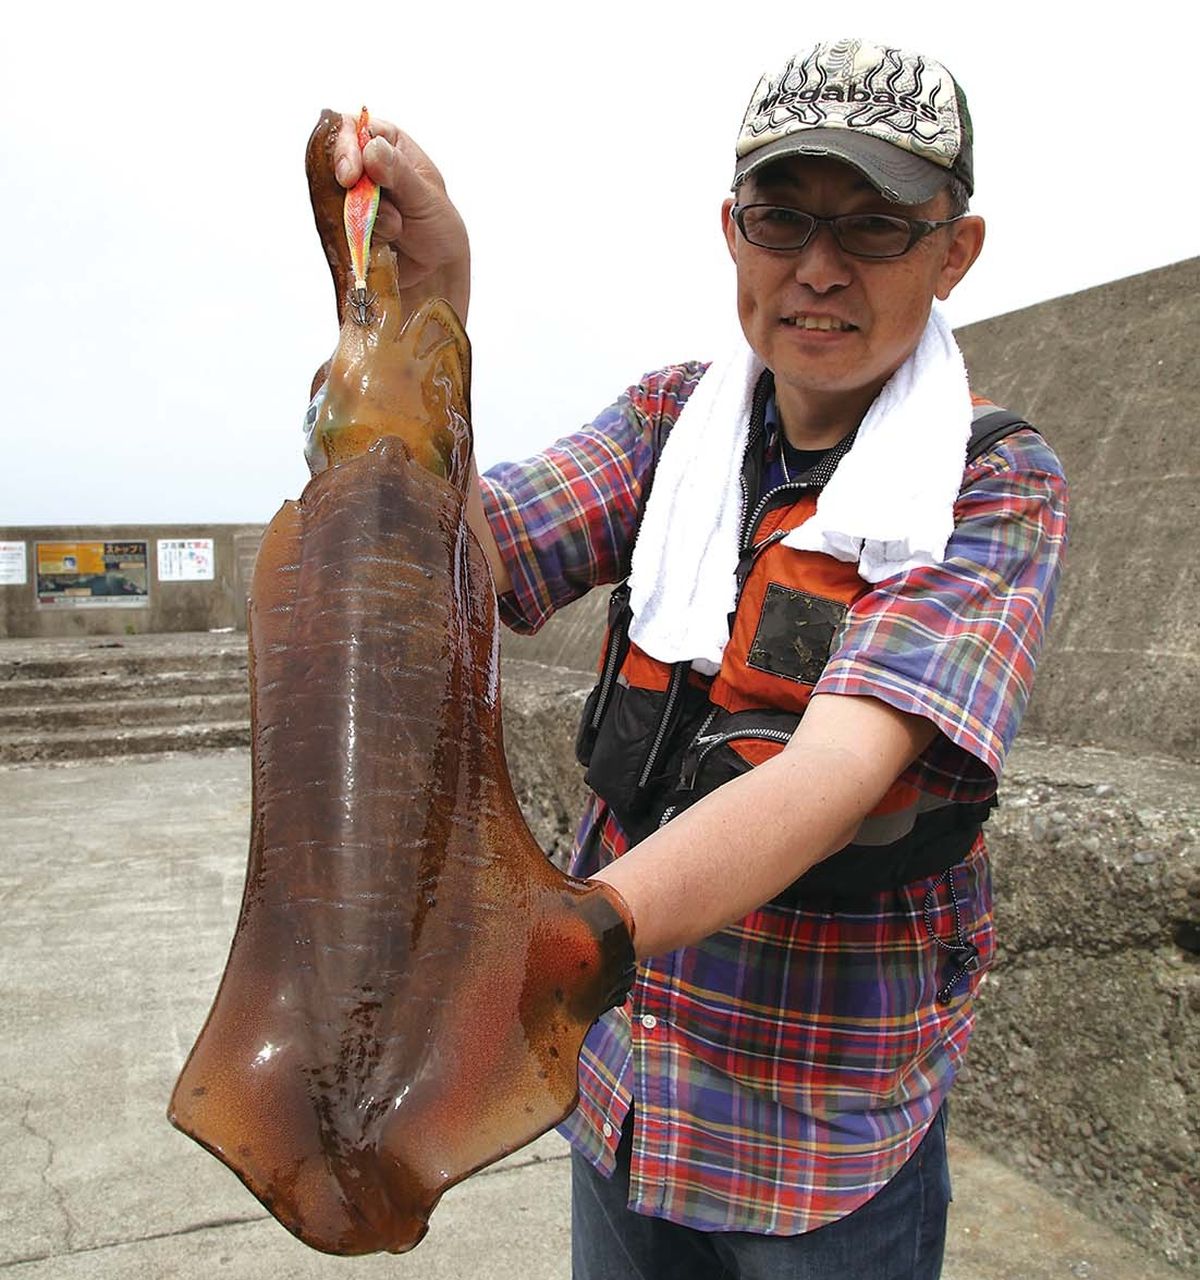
(824, 323)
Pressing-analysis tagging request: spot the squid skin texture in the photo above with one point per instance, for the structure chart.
(410, 979)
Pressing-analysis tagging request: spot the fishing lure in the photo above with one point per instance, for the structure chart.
(361, 207)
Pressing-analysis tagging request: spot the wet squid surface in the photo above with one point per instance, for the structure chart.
(410, 979)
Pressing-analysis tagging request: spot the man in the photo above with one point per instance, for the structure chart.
(810, 685)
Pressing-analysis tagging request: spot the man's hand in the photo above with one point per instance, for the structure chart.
(417, 218)
(415, 215)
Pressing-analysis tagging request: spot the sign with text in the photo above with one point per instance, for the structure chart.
(185, 559)
(109, 575)
(12, 564)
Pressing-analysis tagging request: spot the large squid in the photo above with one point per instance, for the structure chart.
(410, 979)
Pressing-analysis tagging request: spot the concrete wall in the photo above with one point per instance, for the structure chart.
(1083, 1068)
(172, 606)
(1109, 376)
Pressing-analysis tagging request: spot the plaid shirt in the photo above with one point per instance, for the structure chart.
(787, 1066)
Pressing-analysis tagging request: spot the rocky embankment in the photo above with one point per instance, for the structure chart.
(1085, 1065)
(1084, 1069)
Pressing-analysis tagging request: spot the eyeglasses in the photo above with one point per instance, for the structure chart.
(862, 235)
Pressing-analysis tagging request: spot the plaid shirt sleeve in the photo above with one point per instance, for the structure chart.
(564, 520)
(958, 642)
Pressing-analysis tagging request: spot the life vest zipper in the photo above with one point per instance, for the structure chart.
(611, 663)
(674, 688)
(703, 744)
(761, 510)
(752, 458)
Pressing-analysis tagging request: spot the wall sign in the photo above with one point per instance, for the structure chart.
(12, 564)
(185, 559)
(108, 575)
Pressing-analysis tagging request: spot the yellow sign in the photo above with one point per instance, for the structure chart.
(70, 557)
(112, 575)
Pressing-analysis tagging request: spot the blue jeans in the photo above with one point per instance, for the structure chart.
(899, 1234)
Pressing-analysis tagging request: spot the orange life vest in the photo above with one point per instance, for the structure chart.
(657, 736)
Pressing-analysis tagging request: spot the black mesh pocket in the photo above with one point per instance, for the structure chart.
(639, 746)
(622, 743)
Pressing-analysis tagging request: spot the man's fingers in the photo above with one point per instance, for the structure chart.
(419, 160)
(408, 187)
(391, 158)
(384, 129)
(415, 216)
(389, 225)
(347, 159)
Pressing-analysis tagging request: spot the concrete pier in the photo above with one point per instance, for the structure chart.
(121, 881)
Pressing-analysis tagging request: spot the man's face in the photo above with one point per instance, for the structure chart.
(878, 307)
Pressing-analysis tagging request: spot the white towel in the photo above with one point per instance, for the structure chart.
(889, 504)
(682, 582)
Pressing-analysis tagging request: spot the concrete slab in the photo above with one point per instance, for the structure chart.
(511, 1225)
(120, 883)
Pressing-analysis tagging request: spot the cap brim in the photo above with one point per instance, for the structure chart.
(896, 174)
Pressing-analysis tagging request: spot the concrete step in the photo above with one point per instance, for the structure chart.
(88, 697)
(99, 662)
(101, 742)
(120, 686)
(193, 709)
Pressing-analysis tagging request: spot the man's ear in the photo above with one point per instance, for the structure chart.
(729, 227)
(966, 242)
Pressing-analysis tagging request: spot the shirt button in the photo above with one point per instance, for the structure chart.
(606, 1129)
(649, 1021)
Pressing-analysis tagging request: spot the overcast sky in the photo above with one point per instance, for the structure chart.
(165, 300)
